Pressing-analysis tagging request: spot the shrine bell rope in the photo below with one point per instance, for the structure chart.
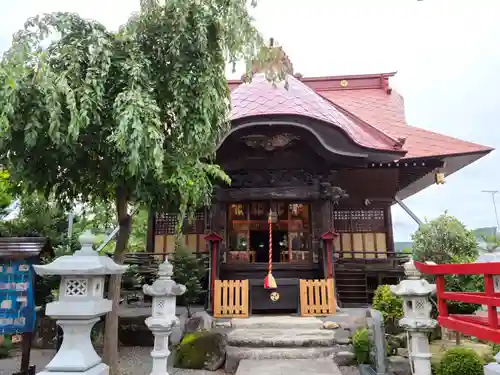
(269, 281)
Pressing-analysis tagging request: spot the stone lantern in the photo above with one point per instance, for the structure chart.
(79, 306)
(417, 321)
(164, 291)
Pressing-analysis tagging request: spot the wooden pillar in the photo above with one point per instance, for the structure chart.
(150, 241)
(218, 220)
(388, 227)
(328, 238)
(214, 241)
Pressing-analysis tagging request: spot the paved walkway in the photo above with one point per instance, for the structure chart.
(287, 367)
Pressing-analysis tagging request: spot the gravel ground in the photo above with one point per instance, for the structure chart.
(133, 361)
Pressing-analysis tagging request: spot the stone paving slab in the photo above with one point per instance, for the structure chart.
(278, 337)
(288, 367)
(277, 322)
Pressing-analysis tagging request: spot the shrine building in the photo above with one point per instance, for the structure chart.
(315, 169)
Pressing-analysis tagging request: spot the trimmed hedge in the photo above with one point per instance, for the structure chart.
(461, 361)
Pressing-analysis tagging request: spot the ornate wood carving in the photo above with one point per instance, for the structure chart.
(270, 143)
(281, 184)
(275, 178)
(268, 193)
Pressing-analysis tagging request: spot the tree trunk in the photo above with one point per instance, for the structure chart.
(110, 355)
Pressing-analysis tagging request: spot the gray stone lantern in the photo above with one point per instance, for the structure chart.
(415, 292)
(79, 306)
(164, 291)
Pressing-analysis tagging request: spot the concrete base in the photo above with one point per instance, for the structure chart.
(100, 369)
(288, 367)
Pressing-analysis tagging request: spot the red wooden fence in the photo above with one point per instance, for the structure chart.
(483, 326)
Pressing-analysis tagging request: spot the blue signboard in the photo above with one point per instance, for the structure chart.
(17, 303)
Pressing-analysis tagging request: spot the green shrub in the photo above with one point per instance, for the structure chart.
(189, 272)
(361, 346)
(5, 347)
(435, 368)
(461, 361)
(389, 305)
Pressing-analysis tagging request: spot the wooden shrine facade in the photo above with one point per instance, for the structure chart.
(327, 177)
(306, 205)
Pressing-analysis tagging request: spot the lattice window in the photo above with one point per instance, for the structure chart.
(160, 304)
(166, 223)
(359, 221)
(419, 305)
(75, 287)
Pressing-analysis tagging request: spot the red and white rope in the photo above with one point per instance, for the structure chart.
(270, 265)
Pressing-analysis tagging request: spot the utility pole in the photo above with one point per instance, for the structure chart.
(493, 192)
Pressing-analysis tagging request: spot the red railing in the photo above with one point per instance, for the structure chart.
(482, 326)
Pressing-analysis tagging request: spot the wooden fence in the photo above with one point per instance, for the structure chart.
(231, 299)
(317, 297)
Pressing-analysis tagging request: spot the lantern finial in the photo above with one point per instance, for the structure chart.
(411, 271)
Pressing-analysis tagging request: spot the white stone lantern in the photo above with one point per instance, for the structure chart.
(417, 321)
(79, 306)
(164, 292)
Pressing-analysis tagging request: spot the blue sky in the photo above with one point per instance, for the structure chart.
(446, 52)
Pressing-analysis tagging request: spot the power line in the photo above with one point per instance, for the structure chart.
(493, 193)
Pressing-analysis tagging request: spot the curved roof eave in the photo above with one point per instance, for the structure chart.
(261, 98)
(303, 122)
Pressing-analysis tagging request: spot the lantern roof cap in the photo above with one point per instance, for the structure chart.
(414, 285)
(85, 261)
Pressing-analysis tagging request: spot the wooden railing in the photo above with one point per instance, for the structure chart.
(482, 326)
(358, 256)
(231, 299)
(317, 297)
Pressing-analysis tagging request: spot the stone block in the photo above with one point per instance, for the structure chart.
(345, 358)
(199, 321)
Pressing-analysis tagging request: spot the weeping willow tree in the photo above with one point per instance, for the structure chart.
(131, 116)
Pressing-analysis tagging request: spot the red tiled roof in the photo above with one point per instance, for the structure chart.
(260, 97)
(386, 112)
(366, 109)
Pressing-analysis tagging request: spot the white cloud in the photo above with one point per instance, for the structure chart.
(446, 52)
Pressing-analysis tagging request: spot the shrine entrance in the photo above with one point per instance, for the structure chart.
(249, 236)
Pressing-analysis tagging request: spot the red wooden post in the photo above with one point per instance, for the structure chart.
(489, 291)
(328, 238)
(213, 239)
(442, 308)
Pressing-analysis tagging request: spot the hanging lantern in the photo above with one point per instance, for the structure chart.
(439, 178)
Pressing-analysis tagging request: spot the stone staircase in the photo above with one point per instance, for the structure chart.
(274, 338)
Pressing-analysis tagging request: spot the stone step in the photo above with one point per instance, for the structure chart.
(235, 354)
(288, 367)
(277, 322)
(281, 338)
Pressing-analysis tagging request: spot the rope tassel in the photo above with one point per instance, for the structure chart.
(269, 282)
